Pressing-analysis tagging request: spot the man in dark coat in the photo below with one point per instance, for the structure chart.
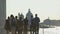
(25, 25)
(36, 21)
(20, 25)
(7, 25)
(13, 24)
(16, 20)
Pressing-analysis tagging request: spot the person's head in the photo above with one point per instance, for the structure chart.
(20, 18)
(26, 18)
(12, 16)
(32, 16)
(16, 17)
(8, 17)
(35, 15)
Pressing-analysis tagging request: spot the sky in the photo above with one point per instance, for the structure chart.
(44, 8)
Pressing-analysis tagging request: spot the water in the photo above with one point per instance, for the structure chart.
(50, 30)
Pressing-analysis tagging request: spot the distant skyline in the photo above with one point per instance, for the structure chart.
(44, 8)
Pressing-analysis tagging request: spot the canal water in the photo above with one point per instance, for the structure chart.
(48, 31)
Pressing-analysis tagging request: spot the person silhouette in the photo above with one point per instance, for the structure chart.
(25, 25)
(12, 20)
(36, 20)
(16, 20)
(31, 25)
(7, 25)
(20, 25)
(13, 24)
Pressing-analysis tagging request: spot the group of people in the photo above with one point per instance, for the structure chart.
(15, 24)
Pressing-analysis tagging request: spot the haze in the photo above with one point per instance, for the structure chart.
(44, 8)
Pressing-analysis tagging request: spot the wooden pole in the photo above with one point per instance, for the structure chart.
(43, 30)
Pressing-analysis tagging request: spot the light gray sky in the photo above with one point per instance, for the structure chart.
(44, 8)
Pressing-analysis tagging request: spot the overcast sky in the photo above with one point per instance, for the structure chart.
(44, 8)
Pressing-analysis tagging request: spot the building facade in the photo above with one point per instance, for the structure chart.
(28, 15)
(2, 16)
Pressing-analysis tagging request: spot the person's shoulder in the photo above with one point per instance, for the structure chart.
(17, 19)
(23, 19)
(33, 18)
(6, 19)
(38, 17)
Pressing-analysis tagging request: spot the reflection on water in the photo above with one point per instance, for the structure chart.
(50, 30)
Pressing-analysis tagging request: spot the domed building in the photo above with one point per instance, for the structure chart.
(28, 15)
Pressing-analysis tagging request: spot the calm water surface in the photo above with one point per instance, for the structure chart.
(50, 30)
